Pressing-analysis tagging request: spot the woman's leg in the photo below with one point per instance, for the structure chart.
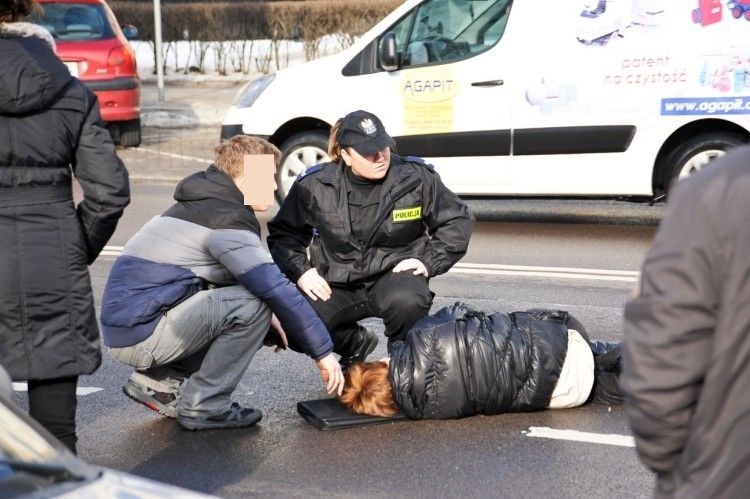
(52, 403)
(607, 368)
(606, 388)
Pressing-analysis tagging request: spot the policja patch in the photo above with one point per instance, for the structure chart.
(407, 214)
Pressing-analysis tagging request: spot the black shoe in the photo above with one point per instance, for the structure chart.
(607, 356)
(236, 417)
(162, 402)
(363, 343)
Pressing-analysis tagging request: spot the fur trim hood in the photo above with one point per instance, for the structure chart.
(25, 30)
(32, 74)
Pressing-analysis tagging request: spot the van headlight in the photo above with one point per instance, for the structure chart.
(252, 90)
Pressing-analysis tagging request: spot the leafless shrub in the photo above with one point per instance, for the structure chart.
(263, 60)
(205, 24)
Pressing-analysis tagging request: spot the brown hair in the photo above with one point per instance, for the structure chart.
(12, 10)
(230, 153)
(334, 148)
(367, 390)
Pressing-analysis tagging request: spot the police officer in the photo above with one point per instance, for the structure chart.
(380, 226)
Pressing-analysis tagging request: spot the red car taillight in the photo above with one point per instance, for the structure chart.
(122, 60)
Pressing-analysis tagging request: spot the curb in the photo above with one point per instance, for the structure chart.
(181, 115)
(169, 179)
(190, 103)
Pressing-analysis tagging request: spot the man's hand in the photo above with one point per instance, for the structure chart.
(280, 341)
(411, 264)
(330, 371)
(314, 286)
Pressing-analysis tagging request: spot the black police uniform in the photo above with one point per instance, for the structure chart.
(361, 232)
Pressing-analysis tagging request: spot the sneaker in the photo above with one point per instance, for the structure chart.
(162, 402)
(236, 417)
(364, 342)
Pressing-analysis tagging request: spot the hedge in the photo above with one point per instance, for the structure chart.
(216, 21)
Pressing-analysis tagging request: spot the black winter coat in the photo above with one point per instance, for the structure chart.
(435, 226)
(50, 130)
(459, 362)
(686, 356)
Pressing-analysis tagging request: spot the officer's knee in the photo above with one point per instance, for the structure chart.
(401, 301)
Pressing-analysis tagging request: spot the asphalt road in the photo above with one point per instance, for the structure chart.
(521, 256)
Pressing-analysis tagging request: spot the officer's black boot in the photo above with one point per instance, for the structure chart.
(356, 346)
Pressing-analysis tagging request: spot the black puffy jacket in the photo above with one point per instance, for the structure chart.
(50, 130)
(436, 230)
(459, 362)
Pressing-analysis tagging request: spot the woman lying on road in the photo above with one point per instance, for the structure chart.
(460, 362)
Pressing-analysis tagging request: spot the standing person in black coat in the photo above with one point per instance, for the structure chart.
(460, 362)
(50, 131)
(687, 338)
(381, 226)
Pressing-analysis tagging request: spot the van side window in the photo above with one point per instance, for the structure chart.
(440, 31)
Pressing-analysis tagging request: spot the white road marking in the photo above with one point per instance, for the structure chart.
(81, 390)
(106, 252)
(510, 270)
(549, 272)
(581, 436)
(172, 155)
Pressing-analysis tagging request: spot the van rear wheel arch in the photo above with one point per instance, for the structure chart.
(691, 148)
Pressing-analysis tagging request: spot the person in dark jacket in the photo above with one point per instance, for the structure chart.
(193, 295)
(380, 226)
(461, 362)
(687, 338)
(50, 132)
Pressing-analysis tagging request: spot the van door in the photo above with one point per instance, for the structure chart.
(447, 101)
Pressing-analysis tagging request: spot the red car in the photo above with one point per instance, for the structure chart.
(96, 50)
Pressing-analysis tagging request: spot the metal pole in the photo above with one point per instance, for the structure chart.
(157, 46)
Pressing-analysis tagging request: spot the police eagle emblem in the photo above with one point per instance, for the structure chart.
(368, 126)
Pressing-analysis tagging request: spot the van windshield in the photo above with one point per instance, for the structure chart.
(74, 21)
(444, 30)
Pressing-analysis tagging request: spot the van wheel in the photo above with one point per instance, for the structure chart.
(697, 152)
(298, 153)
(130, 133)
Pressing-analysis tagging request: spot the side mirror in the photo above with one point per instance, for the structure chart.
(387, 55)
(130, 32)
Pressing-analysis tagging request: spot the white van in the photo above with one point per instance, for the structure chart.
(526, 98)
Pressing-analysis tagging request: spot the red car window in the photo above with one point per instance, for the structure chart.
(74, 22)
